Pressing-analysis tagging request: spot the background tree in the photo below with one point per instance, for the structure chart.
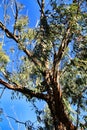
(53, 61)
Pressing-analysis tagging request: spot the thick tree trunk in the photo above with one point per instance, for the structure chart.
(60, 118)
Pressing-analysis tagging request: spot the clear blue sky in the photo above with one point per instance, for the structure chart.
(19, 109)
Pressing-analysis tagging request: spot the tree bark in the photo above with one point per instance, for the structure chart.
(27, 92)
(60, 118)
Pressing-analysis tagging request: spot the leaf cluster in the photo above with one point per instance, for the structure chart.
(4, 59)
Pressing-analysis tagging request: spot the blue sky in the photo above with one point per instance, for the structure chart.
(19, 109)
(31, 7)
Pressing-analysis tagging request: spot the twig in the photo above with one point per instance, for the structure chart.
(2, 92)
(9, 121)
(27, 124)
(16, 16)
(17, 121)
(39, 3)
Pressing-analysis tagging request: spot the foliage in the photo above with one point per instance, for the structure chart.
(57, 46)
(4, 59)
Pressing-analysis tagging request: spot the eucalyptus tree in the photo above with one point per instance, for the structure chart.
(52, 65)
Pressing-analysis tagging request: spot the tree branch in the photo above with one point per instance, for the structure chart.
(17, 121)
(2, 92)
(66, 40)
(27, 92)
(39, 3)
(16, 15)
(27, 124)
(15, 38)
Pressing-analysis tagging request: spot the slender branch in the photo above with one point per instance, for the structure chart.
(8, 33)
(2, 92)
(27, 92)
(10, 125)
(17, 121)
(16, 8)
(15, 38)
(39, 3)
(16, 15)
(27, 124)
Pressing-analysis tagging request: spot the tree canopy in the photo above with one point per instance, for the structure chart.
(52, 61)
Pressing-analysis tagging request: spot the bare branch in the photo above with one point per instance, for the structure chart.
(39, 3)
(16, 14)
(27, 124)
(2, 92)
(17, 121)
(27, 92)
(10, 125)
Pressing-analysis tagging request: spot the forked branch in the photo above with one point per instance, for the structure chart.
(64, 44)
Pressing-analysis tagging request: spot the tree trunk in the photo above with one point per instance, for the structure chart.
(60, 118)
